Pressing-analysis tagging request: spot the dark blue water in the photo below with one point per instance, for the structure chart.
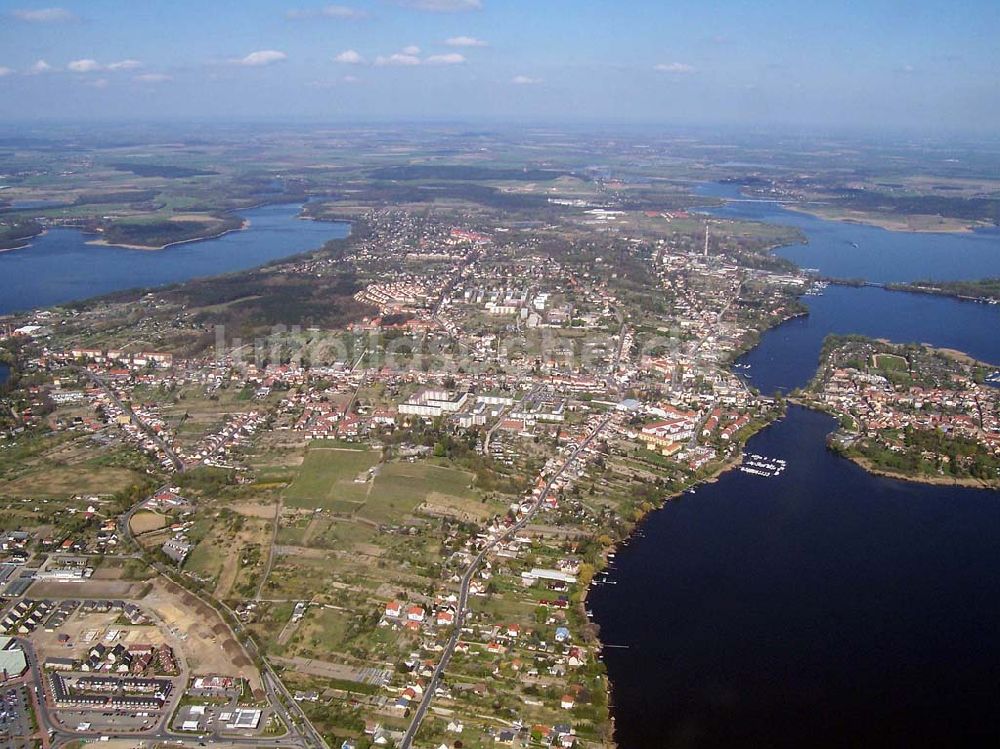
(880, 255)
(787, 356)
(826, 607)
(60, 266)
(822, 608)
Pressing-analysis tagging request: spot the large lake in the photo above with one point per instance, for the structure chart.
(847, 250)
(826, 607)
(60, 266)
(822, 608)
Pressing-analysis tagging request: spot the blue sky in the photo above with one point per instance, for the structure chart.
(880, 63)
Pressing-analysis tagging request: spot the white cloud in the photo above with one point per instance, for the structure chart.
(40, 66)
(442, 6)
(97, 83)
(88, 65)
(44, 15)
(350, 79)
(349, 57)
(409, 56)
(906, 69)
(465, 41)
(125, 65)
(400, 58)
(330, 11)
(453, 58)
(152, 78)
(262, 57)
(5, 71)
(680, 68)
(84, 66)
(524, 80)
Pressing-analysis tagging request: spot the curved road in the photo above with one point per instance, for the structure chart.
(301, 732)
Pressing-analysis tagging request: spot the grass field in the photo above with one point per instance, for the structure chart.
(401, 487)
(205, 561)
(890, 362)
(326, 532)
(322, 632)
(230, 550)
(143, 522)
(66, 481)
(327, 479)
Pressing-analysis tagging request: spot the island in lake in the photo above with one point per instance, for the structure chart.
(910, 411)
(986, 290)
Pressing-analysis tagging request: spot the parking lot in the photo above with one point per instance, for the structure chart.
(94, 721)
(15, 718)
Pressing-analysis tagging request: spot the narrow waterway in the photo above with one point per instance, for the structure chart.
(788, 355)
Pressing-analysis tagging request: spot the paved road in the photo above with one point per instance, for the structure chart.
(463, 599)
(126, 408)
(301, 731)
(616, 361)
(55, 734)
(503, 415)
(469, 258)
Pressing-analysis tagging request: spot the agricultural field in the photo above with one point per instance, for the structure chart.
(401, 488)
(353, 482)
(333, 479)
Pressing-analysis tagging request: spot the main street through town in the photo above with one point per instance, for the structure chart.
(470, 572)
(139, 424)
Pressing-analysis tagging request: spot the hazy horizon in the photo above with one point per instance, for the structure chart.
(915, 67)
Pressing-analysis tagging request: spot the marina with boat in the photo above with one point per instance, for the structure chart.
(759, 465)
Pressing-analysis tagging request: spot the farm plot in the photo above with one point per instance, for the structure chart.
(402, 487)
(332, 479)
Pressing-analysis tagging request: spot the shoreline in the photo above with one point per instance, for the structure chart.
(915, 288)
(724, 467)
(870, 468)
(968, 483)
(886, 224)
(729, 465)
(908, 287)
(244, 225)
(30, 241)
(860, 218)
